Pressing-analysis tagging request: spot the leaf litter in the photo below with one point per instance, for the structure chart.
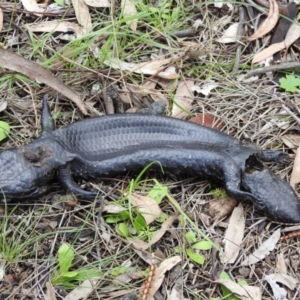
(242, 108)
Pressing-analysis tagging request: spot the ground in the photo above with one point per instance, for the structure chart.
(118, 57)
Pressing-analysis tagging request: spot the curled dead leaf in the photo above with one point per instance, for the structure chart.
(264, 249)
(269, 23)
(14, 62)
(269, 51)
(147, 206)
(292, 35)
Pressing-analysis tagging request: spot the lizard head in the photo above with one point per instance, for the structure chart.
(25, 172)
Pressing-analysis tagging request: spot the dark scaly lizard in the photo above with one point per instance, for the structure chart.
(110, 145)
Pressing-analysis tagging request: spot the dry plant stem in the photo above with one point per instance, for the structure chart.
(274, 68)
(191, 32)
(289, 236)
(239, 36)
(259, 8)
(148, 282)
(291, 113)
(109, 107)
(14, 24)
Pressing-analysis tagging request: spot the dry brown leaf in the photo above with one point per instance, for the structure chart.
(291, 140)
(208, 121)
(295, 176)
(264, 54)
(233, 236)
(55, 26)
(147, 206)
(2, 268)
(263, 250)
(14, 62)
(160, 271)
(287, 280)
(205, 88)
(229, 35)
(146, 89)
(154, 67)
(279, 293)
(281, 266)
(97, 3)
(50, 292)
(82, 291)
(221, 208)
(82, 15)
(292, 35)
(160, 232)
(138, 245)
(244, 292)
(3, 105)
(269, 23)
(129, 9)
(1, 19)
(183, 99)
(32, 6)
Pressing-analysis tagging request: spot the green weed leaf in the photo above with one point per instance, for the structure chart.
(290, 83)
(122, 229)
(70, 274)
(203, 245)
(113, 219)
(118, 271)
(60, 2)
(224, 275)
(158, 192)
(227, 294)
(242, 282)
(4, 130)
(139, 223)
(178, 249)
(195, 257)
(65, 258)
(191, 237)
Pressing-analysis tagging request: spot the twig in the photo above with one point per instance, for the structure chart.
(289, 236)
(239, 36)
(191, 32)
(287, 65)
(109, 106)
(291, 113)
